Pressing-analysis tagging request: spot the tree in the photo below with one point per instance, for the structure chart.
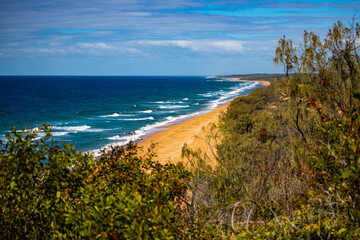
(326, 77)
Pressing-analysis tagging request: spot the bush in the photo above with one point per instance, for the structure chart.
(287, 156)
(50, 191)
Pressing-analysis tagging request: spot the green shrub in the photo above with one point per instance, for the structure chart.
(50, 191)
(287, 156)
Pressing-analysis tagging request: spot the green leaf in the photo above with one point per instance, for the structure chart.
(345, 174)
(96, 208)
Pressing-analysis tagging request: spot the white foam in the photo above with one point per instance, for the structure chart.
(148, 129)
(173, 106)
(161, 112)
(205, 95)
(112, 115)
(117, 137)
(120, 141)
(229, 96)
(147, 111)
(185, 99)
(168, 102)
(73, 128)
(58, 134)
(97, 130)
(117, 115)
(137, 119)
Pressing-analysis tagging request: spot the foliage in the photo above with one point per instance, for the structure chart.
(35, 178)
(50, 191)
(283, 163)
(286, 158)
(254, 169)
(328, 78)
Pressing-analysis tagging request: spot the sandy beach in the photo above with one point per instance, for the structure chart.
(171, 140)
(264, 83)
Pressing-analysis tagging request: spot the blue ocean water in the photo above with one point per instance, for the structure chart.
(97, 111)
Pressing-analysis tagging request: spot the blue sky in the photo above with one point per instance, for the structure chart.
(156, 37)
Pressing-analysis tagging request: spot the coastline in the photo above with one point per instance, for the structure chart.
(169, 142)
(263, 82)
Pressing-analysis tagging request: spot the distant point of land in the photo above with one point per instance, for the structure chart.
(256, 76)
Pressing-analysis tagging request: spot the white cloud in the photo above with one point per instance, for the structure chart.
(95, 46)
(104, 48)
(200, 45)
(139, 47)
(85, 48)
(48, 51)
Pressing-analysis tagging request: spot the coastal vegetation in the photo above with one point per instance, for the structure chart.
(287, 157)
(51, 191)
(284, 164)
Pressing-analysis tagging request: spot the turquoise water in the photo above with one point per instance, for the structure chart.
(97, 111)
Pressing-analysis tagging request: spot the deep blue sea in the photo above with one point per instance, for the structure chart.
(96, 111)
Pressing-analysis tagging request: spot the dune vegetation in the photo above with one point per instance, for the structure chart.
(284, 164)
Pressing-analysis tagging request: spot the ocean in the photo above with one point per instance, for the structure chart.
(94, 112)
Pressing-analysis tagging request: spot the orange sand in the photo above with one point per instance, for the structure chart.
(171, 140)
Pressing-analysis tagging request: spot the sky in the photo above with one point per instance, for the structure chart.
(157, 37)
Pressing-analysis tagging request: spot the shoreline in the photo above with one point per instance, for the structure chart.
(263, 82)
(169, 142)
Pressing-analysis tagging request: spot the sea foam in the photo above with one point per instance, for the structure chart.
(137, 119)
(59, 134)
(146, 111)
(112, 115)
(173, 106)
(72, 128)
